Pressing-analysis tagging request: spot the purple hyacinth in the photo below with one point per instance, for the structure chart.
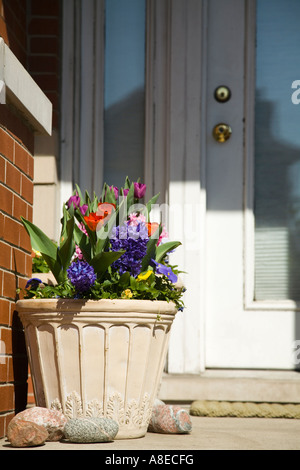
(134, 240)
(81, 275)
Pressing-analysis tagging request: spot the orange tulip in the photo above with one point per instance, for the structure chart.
(152, 227)
(105, 209)
(92, 220)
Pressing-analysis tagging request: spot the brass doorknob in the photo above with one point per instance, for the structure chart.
(222, 132)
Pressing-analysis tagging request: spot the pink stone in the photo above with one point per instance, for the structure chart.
(169, 419)
(53, 421)
(21, 433)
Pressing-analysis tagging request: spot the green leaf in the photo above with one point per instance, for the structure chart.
(124, 280)
(103, 260)
(67, 246)
(109, 195)
(39, 240)
(130, 198)
(79, 194)
(127, 183)
(163, 249)
(150, 204)
(55, 268)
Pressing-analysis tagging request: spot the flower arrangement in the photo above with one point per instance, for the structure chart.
(107, 248)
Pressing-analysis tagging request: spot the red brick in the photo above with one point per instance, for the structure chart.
(1, 281)
(53, 97)
(13, 177)
(6, 145)
(21, 283)
(10, 369)
(16, 128)
(3, 31)
(27, 189)
(12, 230)
(25, 243)
(19, 261)
(43, 63)
(21, 158)
(5, 255)
(6, 338)
(5, 311)
(45, 26)
(2, 222)
(2, 169)
(44, 45)
(6, 200)
(28, 265)
(4, 422)
(46, 7)
(47, 82)
(30, 166)
(3, 368)
(9, 285)
(29, 213)
(19, 207)
(6, 397)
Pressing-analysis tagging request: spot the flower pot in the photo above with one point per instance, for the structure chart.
(98, 358)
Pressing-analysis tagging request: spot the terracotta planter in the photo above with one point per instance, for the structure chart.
(98, 358)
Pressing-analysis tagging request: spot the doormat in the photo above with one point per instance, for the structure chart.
(244, 409)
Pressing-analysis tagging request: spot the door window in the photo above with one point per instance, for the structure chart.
(277, 151)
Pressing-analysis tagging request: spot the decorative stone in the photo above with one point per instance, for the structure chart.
(91, 430)
(21, 433)
(53, 421)
(169, 419)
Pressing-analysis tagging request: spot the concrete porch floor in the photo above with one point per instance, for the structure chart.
(207, 434)
(213, 433)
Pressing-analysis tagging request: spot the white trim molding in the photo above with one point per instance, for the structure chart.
(19, 88)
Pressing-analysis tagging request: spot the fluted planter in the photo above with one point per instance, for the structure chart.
(98, 358)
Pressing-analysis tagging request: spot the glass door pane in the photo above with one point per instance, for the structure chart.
(124, 93)
(277, 151)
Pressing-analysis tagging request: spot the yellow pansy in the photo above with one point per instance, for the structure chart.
(144, 276)
(126, 294)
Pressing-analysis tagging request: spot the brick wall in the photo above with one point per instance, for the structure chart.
(16, 200)
(13, 27)
(43, 35)
(31, 29)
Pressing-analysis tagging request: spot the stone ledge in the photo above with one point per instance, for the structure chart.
(255, 386)
(18, 88)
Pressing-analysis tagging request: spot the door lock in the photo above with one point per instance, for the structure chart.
(222, 94)
(222, 132)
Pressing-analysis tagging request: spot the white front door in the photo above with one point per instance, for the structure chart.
(252, 185)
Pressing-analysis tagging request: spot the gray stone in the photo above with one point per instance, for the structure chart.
(91, 430)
